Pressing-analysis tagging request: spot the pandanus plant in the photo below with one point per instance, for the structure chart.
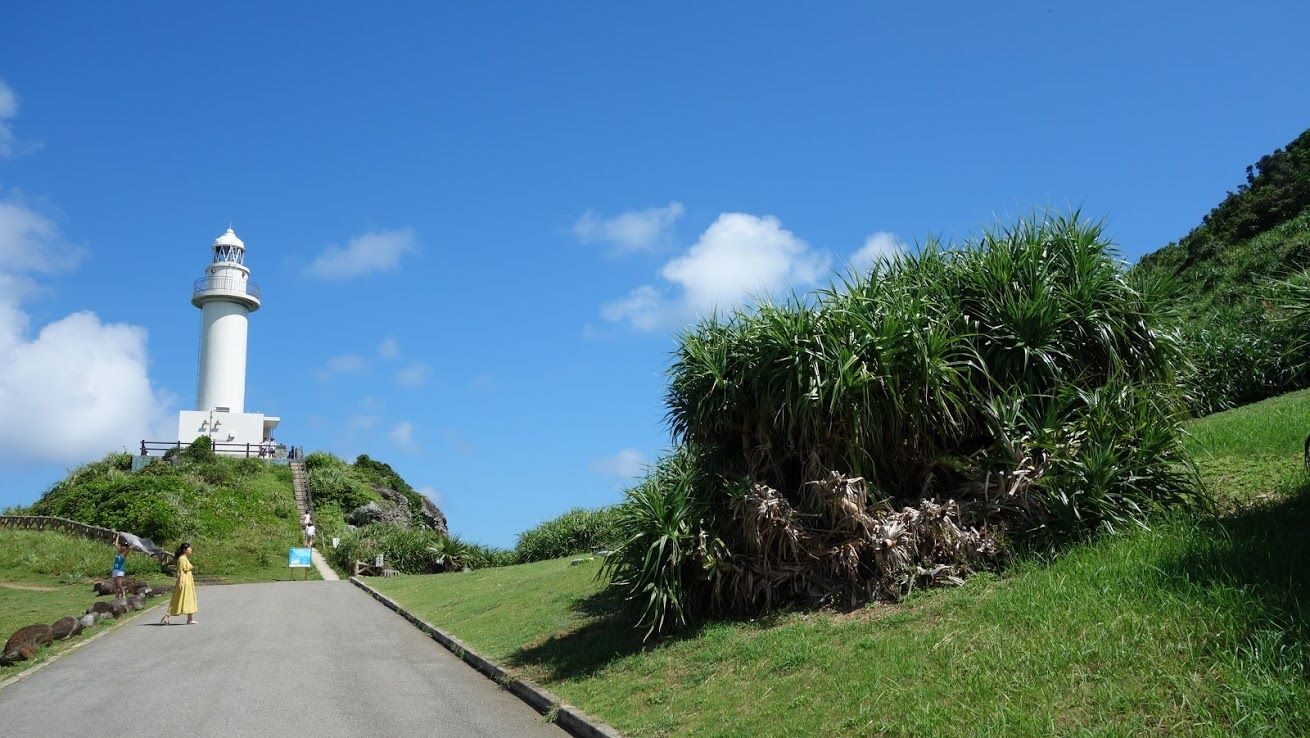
(899, 429)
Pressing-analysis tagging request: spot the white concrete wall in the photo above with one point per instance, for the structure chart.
(232, 428)
(222, 381)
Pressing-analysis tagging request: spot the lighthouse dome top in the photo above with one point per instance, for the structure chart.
(229, 239)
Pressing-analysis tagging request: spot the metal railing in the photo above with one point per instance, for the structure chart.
(225, 284)
(247, 450)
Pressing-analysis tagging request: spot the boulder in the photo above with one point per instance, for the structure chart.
(119, 608)
(22, 645)
(432, 515)
(65, 628)
(106, 586)
(137, 601)
(101, 608)
(88, 620)
(370, 512)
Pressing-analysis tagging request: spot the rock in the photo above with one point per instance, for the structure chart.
(137, 602)
(23, 644)
(162, 589)
(432, 515)
(102, 616)
(119, 608)
(65, 628)
(106, 586)
(101, 608)
(370, 512)
(88, 620)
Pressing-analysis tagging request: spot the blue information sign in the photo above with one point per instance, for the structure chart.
(300, 558)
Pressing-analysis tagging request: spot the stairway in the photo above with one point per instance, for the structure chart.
(300, 483)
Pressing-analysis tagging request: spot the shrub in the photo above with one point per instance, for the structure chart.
(413, 551)
(575, 531)
(201, 449)
(898, 431)
(332, 483)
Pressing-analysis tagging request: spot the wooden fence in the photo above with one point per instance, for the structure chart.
(71, 527)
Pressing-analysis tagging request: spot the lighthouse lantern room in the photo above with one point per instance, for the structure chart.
(226, 296)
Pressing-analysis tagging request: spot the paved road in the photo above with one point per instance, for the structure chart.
(285, 658)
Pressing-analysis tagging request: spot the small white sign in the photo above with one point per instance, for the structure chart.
(378, 561)
(336, 542)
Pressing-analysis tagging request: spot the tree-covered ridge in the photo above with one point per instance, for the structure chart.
(1262, 230)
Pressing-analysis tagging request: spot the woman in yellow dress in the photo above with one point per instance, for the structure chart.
(184, 593)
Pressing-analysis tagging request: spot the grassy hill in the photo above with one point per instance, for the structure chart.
(1195, 627)
(1259, 231)
(240, 514)
(1222, 274)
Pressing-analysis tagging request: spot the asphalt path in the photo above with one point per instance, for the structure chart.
(284, 658)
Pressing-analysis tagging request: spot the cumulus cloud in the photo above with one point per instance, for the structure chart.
(389, 348)
(372, 252)
(402, 435)
(635, 230)
(878, 247)
(626, 464)
(76, 388)
(31, 243)
(413, 375)
(739, 257)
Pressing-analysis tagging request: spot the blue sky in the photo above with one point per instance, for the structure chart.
(479, 227)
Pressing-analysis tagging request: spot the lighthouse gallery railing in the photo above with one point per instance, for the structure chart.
(226, 284)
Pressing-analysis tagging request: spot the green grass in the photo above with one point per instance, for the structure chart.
(45, 576)
(1196, 627)
(239, 514)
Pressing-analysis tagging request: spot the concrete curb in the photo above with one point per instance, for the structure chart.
(571, 719)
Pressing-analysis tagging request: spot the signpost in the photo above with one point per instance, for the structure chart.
(301, 558)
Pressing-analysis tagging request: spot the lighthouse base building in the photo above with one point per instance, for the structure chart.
(226, 296)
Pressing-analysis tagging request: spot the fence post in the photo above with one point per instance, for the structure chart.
(143, 447)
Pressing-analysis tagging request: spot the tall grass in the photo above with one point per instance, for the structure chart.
(920, 418)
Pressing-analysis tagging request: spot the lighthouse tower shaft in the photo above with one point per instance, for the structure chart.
(222, 378)
(226, 297)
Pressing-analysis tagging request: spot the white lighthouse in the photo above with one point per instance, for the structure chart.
(226, 296)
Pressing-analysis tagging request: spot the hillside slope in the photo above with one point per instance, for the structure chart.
(1193, 628)
(1262, 230)
(240, 514)
(1228, 278)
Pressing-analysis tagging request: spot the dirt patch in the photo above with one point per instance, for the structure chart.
(27, 587)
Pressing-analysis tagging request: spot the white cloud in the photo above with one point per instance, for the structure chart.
(880, 246)
(363, 422)
(389, 348)
(413, 375)
(372, 252)
(626, 464)
(344, 364)
(635, 230)
(8, 111)
(402, 435)
(78, 388)
(31, 243)
(739, 257)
